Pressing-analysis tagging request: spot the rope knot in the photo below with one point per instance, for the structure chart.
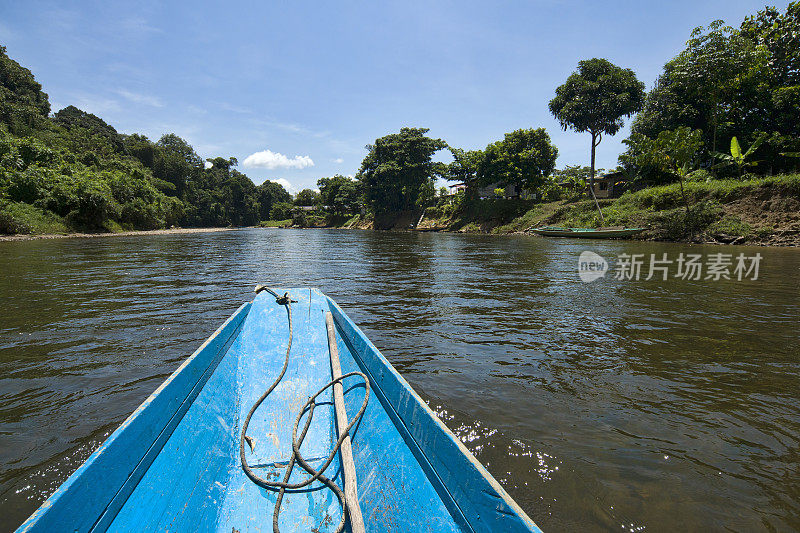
(285, 300)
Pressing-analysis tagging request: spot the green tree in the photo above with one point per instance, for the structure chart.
(306, 198)
(281, 211)
(673, 152)
(268, 194)
(778, 90)
(596, 98)
(397, 168)
(77, 170)
(88, 136)
(734, 82)
(240, 201)
(464, 169)
(779, 33)
(176, 162)
(523, 158)
(716, 69)
(574, 177)
(340, 194)
(222, 196)
(141, 148)
(73, 118)
(23, 105)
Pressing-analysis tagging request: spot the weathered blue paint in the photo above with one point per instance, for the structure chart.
(102, 482)
(174, 464)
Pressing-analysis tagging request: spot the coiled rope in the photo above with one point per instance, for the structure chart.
(283, 486)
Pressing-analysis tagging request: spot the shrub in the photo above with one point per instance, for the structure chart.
(140, 215)
(281, 211)
(19, 217)
(678, 224)
(300, 219)
(95, 204)
(25, 186)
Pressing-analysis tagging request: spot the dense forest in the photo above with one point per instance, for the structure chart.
(727, 106)
(73, 171)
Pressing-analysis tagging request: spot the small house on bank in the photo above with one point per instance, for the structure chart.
(610, 185)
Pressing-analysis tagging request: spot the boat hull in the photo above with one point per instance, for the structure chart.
(579, 233)
(174, 463)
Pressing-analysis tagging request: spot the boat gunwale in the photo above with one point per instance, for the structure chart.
(340, 315)
(64, 489)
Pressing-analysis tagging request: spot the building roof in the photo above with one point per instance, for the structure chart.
(611, 176)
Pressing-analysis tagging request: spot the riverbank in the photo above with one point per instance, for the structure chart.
(758, 211)
(170, 231)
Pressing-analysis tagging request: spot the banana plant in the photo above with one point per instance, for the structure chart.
(737, 156)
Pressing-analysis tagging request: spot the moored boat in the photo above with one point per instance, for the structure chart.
(586, 233)
(238, 411)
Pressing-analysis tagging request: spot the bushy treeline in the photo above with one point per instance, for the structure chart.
(74, 166)
(729, 102)
(399, 172)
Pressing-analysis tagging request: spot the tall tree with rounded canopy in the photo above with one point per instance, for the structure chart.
(306, 198)
(398, 169)
(339, 194)
(596, 98)
(523, 158)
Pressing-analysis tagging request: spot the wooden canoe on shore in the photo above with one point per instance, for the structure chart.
(586, 233)
(175, 465)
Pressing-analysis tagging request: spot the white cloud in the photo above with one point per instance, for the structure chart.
(272, 160)
(208, 164)
(338, 160)
(137, 98)
(286, 185)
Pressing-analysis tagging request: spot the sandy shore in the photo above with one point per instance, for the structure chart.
(171, 231)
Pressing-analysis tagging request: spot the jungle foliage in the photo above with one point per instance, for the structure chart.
(730, 82)
(398, 172)
(73, 171)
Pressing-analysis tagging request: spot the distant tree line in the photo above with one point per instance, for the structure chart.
(76, 166)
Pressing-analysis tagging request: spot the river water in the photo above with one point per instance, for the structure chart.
(614, 405)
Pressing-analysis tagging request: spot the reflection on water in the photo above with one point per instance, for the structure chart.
(611, 405)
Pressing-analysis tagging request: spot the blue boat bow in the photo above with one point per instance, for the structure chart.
(174, 463)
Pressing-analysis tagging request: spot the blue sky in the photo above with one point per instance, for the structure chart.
(306, 85)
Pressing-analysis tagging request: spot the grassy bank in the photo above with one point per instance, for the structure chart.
(22, 221)
(19, 217)
(755, 211)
